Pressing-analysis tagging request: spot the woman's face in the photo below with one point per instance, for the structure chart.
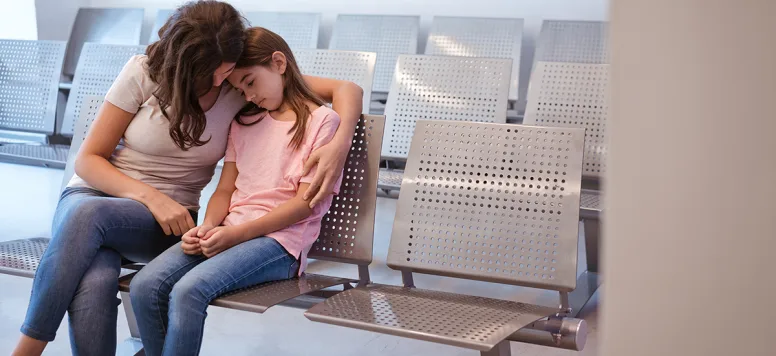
(222, 72)
(262, 85)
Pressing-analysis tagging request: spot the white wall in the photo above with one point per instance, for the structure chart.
(690, 228)
(17, 20)
(533, 11)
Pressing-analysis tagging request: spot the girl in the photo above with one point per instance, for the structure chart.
(258, 228)
(171, 114)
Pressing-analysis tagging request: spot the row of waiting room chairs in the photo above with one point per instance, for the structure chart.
(568, 88)
(515, 228)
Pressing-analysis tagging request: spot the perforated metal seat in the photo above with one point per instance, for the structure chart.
(21, 257)
(592, 204)
(478, 37)
(573, 42)
(388, 36)
(29, 77)
(356, 67)
(50, 156)
(98, 66)
(480, 201)
(102, 25)
(443, 88)
(390, 179)
(347, 229)
(299, 29)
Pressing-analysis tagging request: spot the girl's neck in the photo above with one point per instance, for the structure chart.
(285, 113)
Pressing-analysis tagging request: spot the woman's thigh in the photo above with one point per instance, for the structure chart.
(88, 217)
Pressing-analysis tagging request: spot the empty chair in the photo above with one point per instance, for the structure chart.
(564, 94)
(573, 42)
(29, 80)
(441, 88)
(161, 18)
(388, 36)
(299, 29)
(98, 66)
(356, 67)
(480, 201)
(478, 37)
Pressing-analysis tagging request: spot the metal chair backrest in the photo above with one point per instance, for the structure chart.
(573, 95)
(29, 82)
(478, 37)
(102, 25)
(491, 202)
(347, 231)
(98, 66)
(573, 42)
(161, 18)
(357, 67)
(298, 29)
(388, 36)
(443, 88)
(91, 105)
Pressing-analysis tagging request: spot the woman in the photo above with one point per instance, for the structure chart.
(171, 114)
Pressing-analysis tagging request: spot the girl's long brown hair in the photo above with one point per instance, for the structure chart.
(260, 44)
(193, 43)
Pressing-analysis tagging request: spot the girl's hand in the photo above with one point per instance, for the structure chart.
(220, 239)
(330, 159)
(190, 244)
(171, 216)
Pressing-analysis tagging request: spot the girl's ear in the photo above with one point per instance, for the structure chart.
(279, 62)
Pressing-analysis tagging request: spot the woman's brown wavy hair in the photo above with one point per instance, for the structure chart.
(260, 45)
(193, 43)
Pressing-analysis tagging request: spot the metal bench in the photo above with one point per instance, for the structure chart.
(478, 37)
(98, 66)
(346, 235)
(299, 29)
(480, 201)
(440, 88)
(356, 67)
(29, 76)
(388, 36)
(585, 45)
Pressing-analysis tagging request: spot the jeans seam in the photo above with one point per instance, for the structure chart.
(214, 295)
(164, 281)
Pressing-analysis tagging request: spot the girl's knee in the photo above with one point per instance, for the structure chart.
(191, 290)
(144, 285)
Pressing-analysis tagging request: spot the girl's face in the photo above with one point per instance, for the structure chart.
(262, 85)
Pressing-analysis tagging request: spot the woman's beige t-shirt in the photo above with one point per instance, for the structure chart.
(147, 153)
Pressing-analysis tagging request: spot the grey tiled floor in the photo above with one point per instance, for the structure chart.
(27, 200)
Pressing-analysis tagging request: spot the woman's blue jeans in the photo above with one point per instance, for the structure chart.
(79, 271)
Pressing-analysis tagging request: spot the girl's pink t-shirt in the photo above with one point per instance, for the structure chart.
(270, 172)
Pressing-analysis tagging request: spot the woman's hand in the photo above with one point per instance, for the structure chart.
(219, 239)
(171, 216)
(330, 159)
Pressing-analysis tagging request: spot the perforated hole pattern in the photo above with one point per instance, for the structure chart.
(269, 294)
(573, 41)
(491, 202)
(591, 201)
(356, 67)
(29, 80)
(347, 228)
(55, 153)
(388, 36)
(456, 317)
(391, 177)
(22, 255)
(478, 37)
(91, 105)
(443, 88)
(573, 95)
(98, 67)
(298, 29)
